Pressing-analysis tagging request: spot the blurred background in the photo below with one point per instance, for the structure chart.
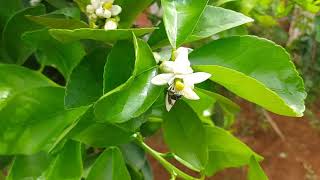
(290, 146)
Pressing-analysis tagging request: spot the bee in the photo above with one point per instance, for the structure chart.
(171, 98)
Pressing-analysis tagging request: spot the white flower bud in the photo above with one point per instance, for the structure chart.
(95, 3)
(110, 24)
(90, 9)
(100, 12)
(115, 10)
(35, 2)
(106, 14)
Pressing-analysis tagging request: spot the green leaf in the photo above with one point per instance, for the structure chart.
(109, 36)
(7, 9)
(185, 135)
(255, 171)
(122, 55)
(15, 79)
(16, 49)
(130, 10)
(136, 95)
(54, 53)
(226, 151)
(215, 20)
(88, 131)
(68, 163)
(58, 3)
(35, 120)
(180, 18)
(255, 69)
(29, 167)
(85, 84)
(109, 166)
(58, 23)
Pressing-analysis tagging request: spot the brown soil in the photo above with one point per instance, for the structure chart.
(295, 158)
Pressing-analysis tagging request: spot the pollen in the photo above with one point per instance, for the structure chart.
(179, 85)
(107, 6)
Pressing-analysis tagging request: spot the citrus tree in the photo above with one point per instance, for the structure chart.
(118, 84)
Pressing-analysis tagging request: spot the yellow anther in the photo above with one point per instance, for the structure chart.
(179, 85)
(107, 5)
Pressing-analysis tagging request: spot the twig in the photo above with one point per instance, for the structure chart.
(273, 125)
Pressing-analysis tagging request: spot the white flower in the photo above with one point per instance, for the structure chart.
(180, 77)
(35, 2)
(115, 10)
(110, 24)
(100, 12)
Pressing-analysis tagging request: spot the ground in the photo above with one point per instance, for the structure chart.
(296, 157)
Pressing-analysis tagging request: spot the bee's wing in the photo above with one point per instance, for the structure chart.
(169, 102)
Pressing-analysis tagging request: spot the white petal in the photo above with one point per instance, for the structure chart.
(180, 69)
(188, 93)
(100, 12)
(170, 104)
(115, 10)
(182, 54)
(106, 14)
(167, 66)
(162, 79)
(95, 3)
(110, 25)
(196, 78)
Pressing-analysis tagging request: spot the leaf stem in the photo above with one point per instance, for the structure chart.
(174, 171)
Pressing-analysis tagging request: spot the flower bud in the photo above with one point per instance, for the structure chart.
(110, 24)
(115, 10)
(106, 14)
(90, 9)
(100, 12)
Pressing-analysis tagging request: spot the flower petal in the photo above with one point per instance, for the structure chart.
(169, 102)
(196, 78)
(162, 79)
(188, 93)
(182, 54)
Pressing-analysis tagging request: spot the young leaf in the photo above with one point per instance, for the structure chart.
(89, 132)
(35, 120)
(255, 171)
(255, 69)
(110, 36)
(180, 18)
(67, 164)
(226, 151)
(29, 167)
(185, 135)
(85, 85)
(130, 10)
(54, 53)
(109, 166)
(15, 27)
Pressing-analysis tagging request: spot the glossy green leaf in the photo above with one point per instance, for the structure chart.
(85, 84)
(58, 3)
(119, 66)
(35, 120)
(136, 95)
(58, 23)
(226, 151)
(130, 10)
(29, 167)
(185, 135)
(68, 163)
(109, 166)
(16, 49)
(88, 131)
(255, 171)
(109, 36)
(215, 20)
(255, 69)
(15, 79)
(181, 17)
(63, 56)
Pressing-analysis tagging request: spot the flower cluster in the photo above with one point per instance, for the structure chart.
(105, 10)
(180, 78)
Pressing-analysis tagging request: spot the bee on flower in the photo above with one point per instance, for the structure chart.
(105, 10)
(180, 78)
